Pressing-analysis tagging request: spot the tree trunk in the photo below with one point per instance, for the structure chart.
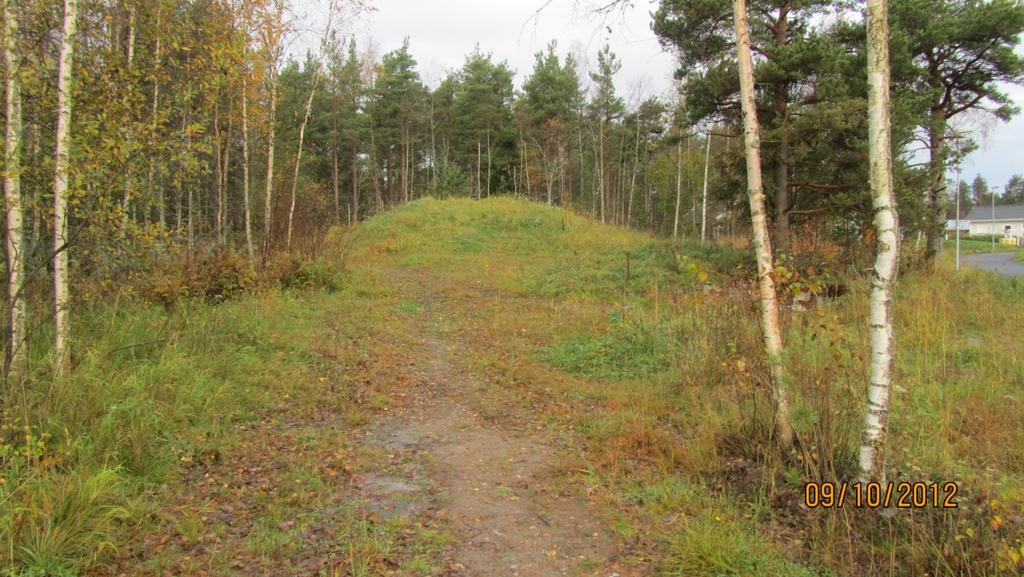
(218, 172)
(583, 168)
(478, 187)
(679, 185)
(616, 196)
(433, 147)
(404, 167)
(488, 187)
(636, 167)
(888, 243)
(355, 186)
(161, 209)
(600, 166)
(770, 328)
(781, 106)
(298, 156)
(191, 221)
(268, 196)
(246, 216)
(61, 319)
(375, 175)
(222, 208)
(129, 60)
(526, 166)
(782, 196)
(16, 366)
(704, 195)
(336, 184)
(937, 180)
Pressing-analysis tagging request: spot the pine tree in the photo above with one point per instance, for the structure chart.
(605, 107)
(796, 64)
(959, 54)
(1013, 193)
(550, 97)
(482, 120)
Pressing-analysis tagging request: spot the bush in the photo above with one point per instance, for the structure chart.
(212, 277)
(287, 272)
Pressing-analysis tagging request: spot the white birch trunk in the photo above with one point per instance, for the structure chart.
(632, 180)
(61, 319)
(155, 109)
(225, 221)
(600, 165)
(888, 243)
(129, 60)
(298, 158)
(16, 357)
(762, 246)
(305, 121)
(218, 172)
(336, 184)
(246, 216)
(704, 196)
(679, 185)
(268, 196)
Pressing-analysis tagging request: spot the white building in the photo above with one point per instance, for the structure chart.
(1008, 220)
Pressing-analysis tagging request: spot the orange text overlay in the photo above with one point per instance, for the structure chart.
(900, 495)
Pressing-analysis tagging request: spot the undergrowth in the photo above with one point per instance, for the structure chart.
(90, 462)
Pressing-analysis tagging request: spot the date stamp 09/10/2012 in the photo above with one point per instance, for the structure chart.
(872, 495)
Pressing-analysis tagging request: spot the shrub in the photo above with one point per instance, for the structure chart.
(212, 277)
(287, 272)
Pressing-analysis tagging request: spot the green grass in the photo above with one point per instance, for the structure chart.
(977, 246)
(626, 351)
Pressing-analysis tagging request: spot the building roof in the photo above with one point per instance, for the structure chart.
(1003, 212)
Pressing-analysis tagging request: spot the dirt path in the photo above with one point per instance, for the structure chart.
(499, 488)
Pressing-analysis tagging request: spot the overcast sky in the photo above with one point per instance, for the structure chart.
(443, 32)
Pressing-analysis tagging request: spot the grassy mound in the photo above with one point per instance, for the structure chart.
(519, 246)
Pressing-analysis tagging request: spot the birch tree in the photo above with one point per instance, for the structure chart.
(770, 328)
(16, 357)
(888, 243)
(246, 217)
(704, 194)
(679, 185)
(318, 73)
(273, 31)
(61, 319)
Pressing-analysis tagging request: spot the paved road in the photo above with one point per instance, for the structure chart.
(1003, 263)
